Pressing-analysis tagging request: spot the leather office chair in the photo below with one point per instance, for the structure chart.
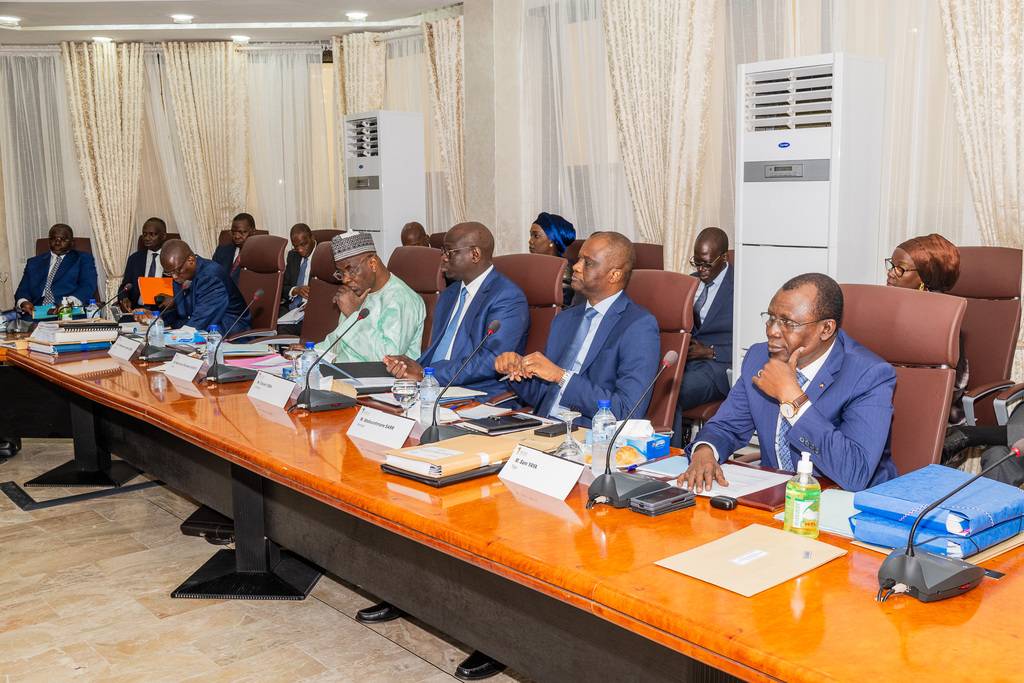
(81, 244)
(649, 256)
(420, 268)
(437, 239)
(263, 262)
(669, 297)
(572, 252)
(225, 236)
(170, 236)
(990, 280)
(326, 236)
(540, 278)
(321, 315)
(919, 333)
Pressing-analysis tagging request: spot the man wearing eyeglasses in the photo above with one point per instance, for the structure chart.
(61, 272)
(810, 388)
(395, 322)
(710, 352)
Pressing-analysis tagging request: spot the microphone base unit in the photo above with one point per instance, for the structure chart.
(618, 488)
(435, 433)
(222, 373)
(929, 577)
(156, 354)
(319, 400)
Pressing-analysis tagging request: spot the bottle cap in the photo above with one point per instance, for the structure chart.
(214, 328)
(92, 301)
(805, 466)
(603, 404)
(156, 314)
(428, 371)
(309, 345)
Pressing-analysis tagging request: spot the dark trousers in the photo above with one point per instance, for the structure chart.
(698, 387)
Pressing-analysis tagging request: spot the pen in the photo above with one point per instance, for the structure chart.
(631, 468)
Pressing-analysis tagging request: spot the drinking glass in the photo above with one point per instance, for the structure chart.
(293, 355)
(569, 449)
(405, 391)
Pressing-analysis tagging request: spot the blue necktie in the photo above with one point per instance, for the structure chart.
(781, 442)
(297, 301)
(152, 264)
(568, 361)
(449, 334)
(698, 305)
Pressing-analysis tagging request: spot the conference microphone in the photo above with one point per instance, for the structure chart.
(159, 354)
(616, 488)
(318, 400)
(928, 576)
(434, 433)
(126, 288)
(222, 373)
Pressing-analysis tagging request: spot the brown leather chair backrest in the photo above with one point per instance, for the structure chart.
(321, 315)
(540, 278)
(649, 256)
(420, 268)
(170, 236)
(919, 333)
(437, 239)
(225, 236)
(81, 244)
(263, 261)
(572, 252)
(669, 297)
(326, 236)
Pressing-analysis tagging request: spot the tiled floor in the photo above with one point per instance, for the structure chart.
(85, 596)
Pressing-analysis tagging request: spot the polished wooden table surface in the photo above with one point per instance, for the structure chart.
(823, 625)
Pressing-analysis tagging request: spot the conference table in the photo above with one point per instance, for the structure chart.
(549, 587)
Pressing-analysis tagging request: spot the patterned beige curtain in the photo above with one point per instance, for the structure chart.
(209, 90)
(659, 58)
(6, 286)
(105, 97)
(985, 62)
(443, 41)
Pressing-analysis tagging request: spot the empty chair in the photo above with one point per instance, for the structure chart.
(262, 260)
(918, 332)
(572, 252)
(437, 239)
(669, 297)
(540, 278)
(325, 236)
(649, 256)
(170, 236)
(420, 268)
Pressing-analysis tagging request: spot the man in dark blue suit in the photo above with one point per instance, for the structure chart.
(229, 255)
(61, 272)
(463, 313)
(143, 263)
(211, 298)
(606, 350)
(810, 388)
(710, 352)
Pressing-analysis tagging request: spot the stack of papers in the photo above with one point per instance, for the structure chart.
(451, 456)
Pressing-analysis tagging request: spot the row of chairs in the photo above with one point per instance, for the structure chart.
(648, 256)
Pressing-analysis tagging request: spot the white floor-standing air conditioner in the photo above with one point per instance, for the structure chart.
(808, 179)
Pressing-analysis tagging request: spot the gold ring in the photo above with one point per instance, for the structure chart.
(759, 372)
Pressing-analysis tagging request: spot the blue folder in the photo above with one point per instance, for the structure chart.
(892, 534)
(982, 505)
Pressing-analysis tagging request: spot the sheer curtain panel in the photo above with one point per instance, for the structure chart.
(443, 41)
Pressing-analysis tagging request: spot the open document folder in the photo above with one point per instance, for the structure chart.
(752, 559)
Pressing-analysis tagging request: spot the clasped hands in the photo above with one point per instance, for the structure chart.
(519, 367)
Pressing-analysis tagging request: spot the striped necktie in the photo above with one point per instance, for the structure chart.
(48, 289)
(782, 448)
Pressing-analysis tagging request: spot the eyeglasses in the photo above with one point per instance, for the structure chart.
(173, 273)
(899, 270)
(348, 271)
(699, 265)
(785, 323)
(446, 252)
(60, 239)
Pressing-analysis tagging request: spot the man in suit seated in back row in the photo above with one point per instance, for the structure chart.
(810, 388)
(297, 270)
(143, 263)
(62, 272)
(229, 255)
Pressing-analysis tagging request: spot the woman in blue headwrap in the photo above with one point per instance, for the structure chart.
(550, 234)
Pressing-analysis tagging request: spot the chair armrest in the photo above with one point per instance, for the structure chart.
(253, 333)
(280, 341)
(980, 392)
(748, 457)
(502, 398)
(1006, 397)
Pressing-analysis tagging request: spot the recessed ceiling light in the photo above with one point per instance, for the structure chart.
(182, 18)
(9, 22)
(356, 16)
(102, 39)
(241, 40)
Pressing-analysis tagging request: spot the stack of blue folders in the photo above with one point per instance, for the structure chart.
(985, 513)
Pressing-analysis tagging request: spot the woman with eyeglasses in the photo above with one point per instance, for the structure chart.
(551, 234)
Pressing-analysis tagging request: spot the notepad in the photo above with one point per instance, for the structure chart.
(667, 467)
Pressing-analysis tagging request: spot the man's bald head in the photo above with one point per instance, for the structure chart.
(621, 252)
(479, 235)
(414, 235)
(468, 248)
(709, 257)
(176, 249)
(178, 261)
(300, 229)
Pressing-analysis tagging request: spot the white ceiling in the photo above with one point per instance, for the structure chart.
(53, 21)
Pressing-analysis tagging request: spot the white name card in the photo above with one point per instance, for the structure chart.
(541, 472)
(184, 367)
(376, 426)
(270, 389)
(125, 349)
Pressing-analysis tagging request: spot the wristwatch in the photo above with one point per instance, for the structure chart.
(564, 379)
(789, 409)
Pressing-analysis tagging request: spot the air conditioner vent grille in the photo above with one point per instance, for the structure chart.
(361, 138)
(789, 99)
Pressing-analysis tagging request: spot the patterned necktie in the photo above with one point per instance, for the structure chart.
(698, 305)
(152, 264)
(449, 334)
(297, 301)
(47, 290)
(238, 262)
(569, 359)
(781, 442)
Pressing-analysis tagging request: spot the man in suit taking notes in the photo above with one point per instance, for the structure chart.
(297, 270)
(810, 388)
(229, 256)
(61, 272)
(143, 263)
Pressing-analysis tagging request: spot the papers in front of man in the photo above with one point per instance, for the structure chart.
(744, 481)
(293, 316)
(451, 456)
(95, 330)
(752, 559)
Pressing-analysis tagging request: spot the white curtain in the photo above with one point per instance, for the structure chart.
(406, 89)
(42, 183)
(288, 143)
(572, 164)
(444, 48)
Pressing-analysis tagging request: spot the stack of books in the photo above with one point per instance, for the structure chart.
(78, 336)
(985, 513)
(448, 461)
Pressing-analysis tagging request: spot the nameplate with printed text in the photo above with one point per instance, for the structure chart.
(271, 389)
(184, 367)
(541, 472)
(125, 349)
(382, 428)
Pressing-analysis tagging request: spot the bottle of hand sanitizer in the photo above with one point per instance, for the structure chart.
(803, 494)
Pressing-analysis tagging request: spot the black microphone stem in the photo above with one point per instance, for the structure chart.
(362, 314)
(611, 444)
(437, 403)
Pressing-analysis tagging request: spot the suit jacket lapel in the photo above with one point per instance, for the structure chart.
(463, 342)
(610, 319)
(724, 294)
(826, 375)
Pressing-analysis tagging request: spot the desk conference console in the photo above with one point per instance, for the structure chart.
(552, 589)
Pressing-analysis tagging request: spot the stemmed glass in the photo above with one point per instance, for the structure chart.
(405, 391)
(293, 354)
(569, 449)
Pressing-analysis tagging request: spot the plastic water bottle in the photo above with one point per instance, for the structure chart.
(306, 362)
(803, 494)
(92, 310)
(156, 335)
(213, 345)
(602, 426)
(429, 391)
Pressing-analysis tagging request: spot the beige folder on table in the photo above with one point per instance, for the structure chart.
(752, 559)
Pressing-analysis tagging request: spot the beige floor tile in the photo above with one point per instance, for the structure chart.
(24, 613)
(171, 665)
(66, 557)
(286, 663)
(76, 661)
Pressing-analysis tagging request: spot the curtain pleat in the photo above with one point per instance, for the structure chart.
(444, 45)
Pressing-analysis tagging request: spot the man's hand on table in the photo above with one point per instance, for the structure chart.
(403, 367)
(703, 471)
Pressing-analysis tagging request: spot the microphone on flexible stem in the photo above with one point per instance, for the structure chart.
(126, 288)
(616, 488)
(222, 373)
(318, 400)
(159, 354)
(435, 433)
(928, 576)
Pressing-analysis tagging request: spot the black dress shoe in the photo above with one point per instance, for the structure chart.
(9, 446)
(954, 442)
(379, 613)
(478, 666)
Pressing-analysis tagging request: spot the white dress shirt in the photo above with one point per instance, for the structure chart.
(601, 307)
(471, 289)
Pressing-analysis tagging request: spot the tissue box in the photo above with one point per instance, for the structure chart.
(650, 447)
